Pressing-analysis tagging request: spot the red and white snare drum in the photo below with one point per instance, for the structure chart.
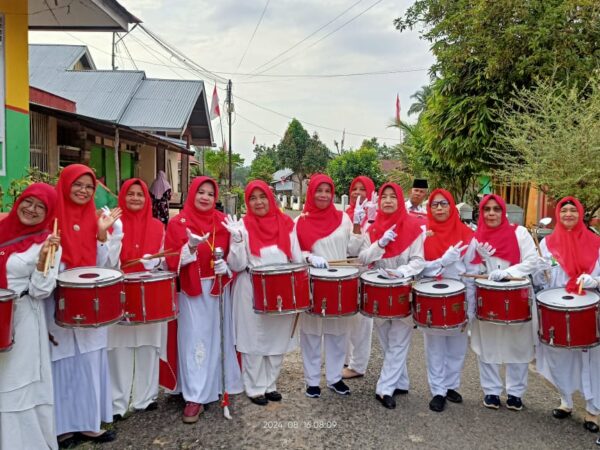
(89, 297)
(335, 291)
(280, 288)
(8, 304)
(568, 320)
(385, 298)
(440, 303)
(150, 297)
(503, 301)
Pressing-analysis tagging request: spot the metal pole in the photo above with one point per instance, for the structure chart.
(229, 111)
(113, 52)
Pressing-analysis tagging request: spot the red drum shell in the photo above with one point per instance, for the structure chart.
(89, 303)
(8, 305)
(335, 292)
(386, 298)
(567, 320)
(150, 297)
(509, 303)
(280, 288)
(444, 311)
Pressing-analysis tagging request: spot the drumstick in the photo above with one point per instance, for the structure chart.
(485, 277)
(580, 287)
(50, 255)
(344, 264)
(294, 326)
(54, 247)
(347, 260)
(539, 250)
(156, 255)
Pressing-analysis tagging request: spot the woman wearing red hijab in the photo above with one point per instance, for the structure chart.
(324, 233)
(503, 250)
(394, 244)
(194, 234)
(26, 400)
(79, 361)
(362, 210)
(134, 349)
(264, 236)
(445, 246)
(571, 256)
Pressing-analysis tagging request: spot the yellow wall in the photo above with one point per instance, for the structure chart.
(16, 53)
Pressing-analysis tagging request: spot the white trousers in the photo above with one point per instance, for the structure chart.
(516, 378)
(134, 377)
(445, 361)
(394, 336)
(29, 429)
(359, 344)
(260, 373)
(335, 352)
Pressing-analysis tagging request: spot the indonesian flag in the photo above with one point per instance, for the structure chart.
(397, 107)
(215, 111)
(254, 140)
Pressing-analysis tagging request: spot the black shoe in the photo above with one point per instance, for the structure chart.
(387, 401)
(313, 391)
(273, 396)
(491, 401)
(70, 442)
(400, 392)
(118, 418)
(592, 427)
(107, 436)
(559, 413)
(260, 400)
(340, 388)
(453, 396)
(437, 403)
(153, 406)
(514, 403)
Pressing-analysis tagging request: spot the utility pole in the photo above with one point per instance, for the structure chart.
(229, 111)
(112, 53)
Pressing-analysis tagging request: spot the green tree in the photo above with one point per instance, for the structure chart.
(554, 132)
(421, 97)
(383, 151)
(317, 156)
(345, 167)
(217, 164)
(262, 168)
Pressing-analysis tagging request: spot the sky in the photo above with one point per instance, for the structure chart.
(217, 35)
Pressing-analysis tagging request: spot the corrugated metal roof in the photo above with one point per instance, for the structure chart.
(55, 58)
(162, 104)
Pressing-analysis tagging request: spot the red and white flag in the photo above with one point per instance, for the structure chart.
(215, 111)
(254, 140)
(397, 108)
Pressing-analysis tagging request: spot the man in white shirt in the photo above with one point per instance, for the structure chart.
(418, 193)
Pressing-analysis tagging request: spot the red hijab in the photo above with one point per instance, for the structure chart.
(12, 230)
(447, 233)
(502, 237)
(575, 250)
(200, 223)
(407, 228)
(315, 223)
(370, 188)
(143, 234)
(78, 224)
(272, 229)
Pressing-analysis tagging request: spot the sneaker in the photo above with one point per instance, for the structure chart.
(313, 391)
(491, 401)
(191, 412)
(453, 396)
(514, 403)
(340, 388)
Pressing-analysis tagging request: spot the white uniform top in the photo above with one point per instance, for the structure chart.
(259, 334)
(338, 245)
(421, 209)
(500, 343)
(86, 339)
(25, 375)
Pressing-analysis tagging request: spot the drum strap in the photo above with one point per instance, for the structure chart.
(21, 238)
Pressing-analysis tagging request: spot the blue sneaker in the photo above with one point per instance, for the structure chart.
(514, 403)
(491, 401)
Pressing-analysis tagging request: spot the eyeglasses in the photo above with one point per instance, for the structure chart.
(441, 203)
(492, 208)
(37, 207)
(86, 187)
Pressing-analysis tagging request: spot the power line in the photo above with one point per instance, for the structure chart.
(253, 34)
(259, 126)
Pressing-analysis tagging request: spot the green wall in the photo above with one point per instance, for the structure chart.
(16, 147)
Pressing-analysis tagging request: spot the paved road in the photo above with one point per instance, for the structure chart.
(359, 421)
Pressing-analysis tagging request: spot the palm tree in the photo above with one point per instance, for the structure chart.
(421, 97)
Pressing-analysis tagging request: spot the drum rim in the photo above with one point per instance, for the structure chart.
(132, 323)
(545, 342)
(395, 281)
(379, 316)
(507, 287)
(447, 294)
(92, 284)
(166, 275)
(331, 316)
(505, 322)
(356, 274)
(283, 312)
(103, 324)
(568, 309)
(260, 270)
(444, 327)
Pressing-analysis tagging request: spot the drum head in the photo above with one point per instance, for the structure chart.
(89, 276)
(7, 294)
(560, 298)
(502, 284)
(278, 268)
(333, 272)
(445, 286)
(149, 276)
(373, 277)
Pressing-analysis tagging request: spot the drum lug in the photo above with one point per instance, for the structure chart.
(143, 291)
(128, 316)
(428, 320)
(97, 304)
(506, 308)
(365, 300)
(61, 304)
(390, 297)
(375, 308)
(479, 302)
(79, 318)
(540, 325)
(293, 290)
(279, 303)
(174, 294)
(465, 306)
(264, 289)
(418, 308)
(339, 297)
(323, 306)
(551, 336)
(122, 297)
(444, 312)
(568, 319)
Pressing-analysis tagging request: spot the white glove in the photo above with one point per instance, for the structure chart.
(194, 240)
(498, 274)
(117, 226)
(359, 212)
(388, 237)
(221, 267)
(234, 226)
(318, 261)
(151, 263)
(371, 207)
(543, 263)
(485, 250)
(390, 273)
(589, 282)
(453, 254)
